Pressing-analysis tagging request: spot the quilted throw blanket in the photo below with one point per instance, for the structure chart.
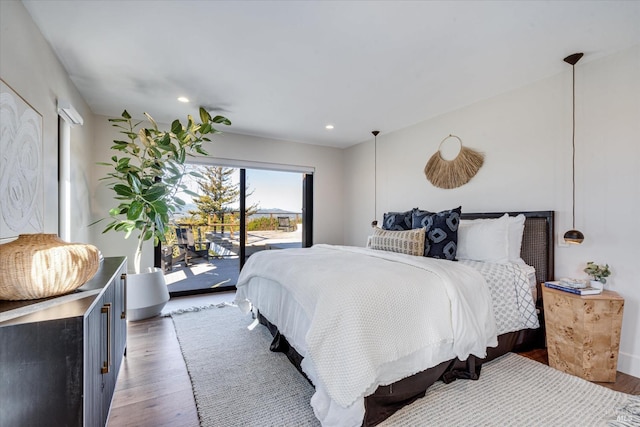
(510, 288)
(369, 308)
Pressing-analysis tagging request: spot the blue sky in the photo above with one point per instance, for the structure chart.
(271, 189)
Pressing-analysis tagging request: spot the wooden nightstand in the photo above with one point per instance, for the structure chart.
(583, 333)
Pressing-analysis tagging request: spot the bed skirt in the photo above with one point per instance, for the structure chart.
(387, 399)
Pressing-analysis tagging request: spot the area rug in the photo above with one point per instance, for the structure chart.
(237, 381)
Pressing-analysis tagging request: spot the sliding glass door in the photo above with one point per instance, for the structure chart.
(232, 214)
(273, 211)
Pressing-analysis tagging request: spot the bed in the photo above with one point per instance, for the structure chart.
(363, 350)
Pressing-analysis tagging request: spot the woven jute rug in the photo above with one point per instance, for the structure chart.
(237, 381)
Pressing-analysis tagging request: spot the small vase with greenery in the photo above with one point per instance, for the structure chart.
(597, 272)
(148, 176)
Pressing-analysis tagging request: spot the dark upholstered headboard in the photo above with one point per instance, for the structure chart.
(537, 241)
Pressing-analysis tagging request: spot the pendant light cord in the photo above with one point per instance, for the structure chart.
(375, 177)
(573, 235)
(573, 144)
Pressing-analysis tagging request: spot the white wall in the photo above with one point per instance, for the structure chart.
(30, 67)
(326, 163)
(526, 136)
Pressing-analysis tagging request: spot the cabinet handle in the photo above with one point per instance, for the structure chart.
(107, 364)
(123, 277)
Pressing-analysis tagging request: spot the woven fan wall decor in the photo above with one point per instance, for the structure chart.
(453, 173)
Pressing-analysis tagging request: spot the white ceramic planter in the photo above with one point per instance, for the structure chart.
(147, 294)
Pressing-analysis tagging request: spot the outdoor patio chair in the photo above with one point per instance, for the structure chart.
(284, 224)
(187, 245)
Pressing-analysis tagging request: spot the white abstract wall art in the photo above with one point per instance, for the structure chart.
(21, 170)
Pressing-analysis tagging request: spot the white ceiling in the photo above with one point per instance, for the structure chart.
(285, 69)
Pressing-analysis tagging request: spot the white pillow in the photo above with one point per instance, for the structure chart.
(516, 230)
(484, 240)
(410, 242)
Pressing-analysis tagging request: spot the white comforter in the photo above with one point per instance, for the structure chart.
(370, 308)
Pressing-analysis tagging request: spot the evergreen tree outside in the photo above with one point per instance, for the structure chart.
(218, 194)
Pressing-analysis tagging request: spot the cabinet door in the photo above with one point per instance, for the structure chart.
(41, 373)
(98, 375)
(119, 317)
(106, 339)
(108, 370)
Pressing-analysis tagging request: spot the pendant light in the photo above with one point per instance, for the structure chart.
(375, 133)
(573, 236)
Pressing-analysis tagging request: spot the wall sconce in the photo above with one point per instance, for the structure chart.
(573, 236)
(70, 118)
(68, 113)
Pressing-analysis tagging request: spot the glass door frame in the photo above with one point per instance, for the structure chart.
(307, 208)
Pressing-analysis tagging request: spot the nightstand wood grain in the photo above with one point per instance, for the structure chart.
(583, 333)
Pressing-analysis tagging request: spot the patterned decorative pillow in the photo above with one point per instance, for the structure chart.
(441, 232)
(397, 220)
(410, 242)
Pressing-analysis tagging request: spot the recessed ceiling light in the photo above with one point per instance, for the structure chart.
(329, 127)
(183, 99)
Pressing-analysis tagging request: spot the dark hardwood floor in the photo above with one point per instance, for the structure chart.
(154, 389)
(624, 383)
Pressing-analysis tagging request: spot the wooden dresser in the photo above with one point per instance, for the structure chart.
(583, 333)
(60, 356)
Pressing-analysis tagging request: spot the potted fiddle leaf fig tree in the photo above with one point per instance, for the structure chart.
(147, 176)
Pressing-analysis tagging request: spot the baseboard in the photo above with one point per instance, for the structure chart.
(629, 364)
